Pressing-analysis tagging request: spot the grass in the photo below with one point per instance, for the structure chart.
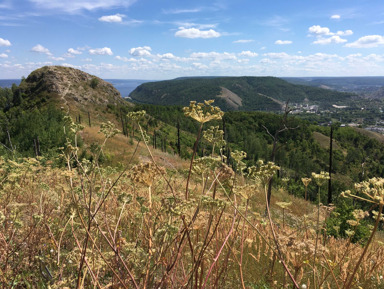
(130, 226)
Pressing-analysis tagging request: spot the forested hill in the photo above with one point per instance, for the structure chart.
(236, 93)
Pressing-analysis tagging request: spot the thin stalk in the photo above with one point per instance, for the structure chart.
(316, 241)
(279, 253)
(349, 284)
(221, 249)
(192, 158)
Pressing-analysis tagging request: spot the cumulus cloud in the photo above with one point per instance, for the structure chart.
(41, 49)
(368, 41)
(317, 30)
(325, 36)
(248, 54)
(75, 6)
(74, 51)
(283, 42)
(214, 55)
(5, 42)
(3, 55)
(166, 56)
(243, 41)
(196, 33)
(140, 51)
(57, 58)
(333, 39)
(101, 51)
(117, 18)
(335, 17)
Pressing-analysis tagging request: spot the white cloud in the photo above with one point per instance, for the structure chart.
(57, 58)
(344, 33)
(3, 55)
(318, 30)
(248, 54)
(41, 49)
(198, 65)
(74, 51)
(166, 56)
(141, 51)
(243, 41)
(117, 18)
(213, 55)
(4, 42)
(180, 11)
(333, 39)
(74, 6)
(335, 17)
(368, 41)
(101, 51)
(283, 42)
(196, 33)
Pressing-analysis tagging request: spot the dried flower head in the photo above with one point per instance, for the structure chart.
(203, 112)
(238, 157)
(146, 173)
(284, 205)
(214, 136)
(262, 171)
(136, 115)
(372, 191)
(306, 181)
(321, 178)
(108, 129)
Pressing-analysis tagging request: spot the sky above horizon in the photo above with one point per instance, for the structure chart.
(154, 40)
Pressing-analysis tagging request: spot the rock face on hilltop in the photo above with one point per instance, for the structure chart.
(70, 88)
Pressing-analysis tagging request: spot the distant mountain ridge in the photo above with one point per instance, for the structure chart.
(236, 93)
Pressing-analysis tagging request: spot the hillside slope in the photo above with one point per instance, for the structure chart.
(71, 89)
(236, 93)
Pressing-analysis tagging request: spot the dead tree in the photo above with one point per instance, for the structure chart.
(275, 137)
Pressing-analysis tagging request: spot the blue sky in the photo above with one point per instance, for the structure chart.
(164, 39)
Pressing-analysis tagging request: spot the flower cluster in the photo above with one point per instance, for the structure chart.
(203, 112)
(146, 173)
(372, 191)
(108, 129)
(214, 136)
(321, 178)
(263, 172)
(136, 115)
(306, 181)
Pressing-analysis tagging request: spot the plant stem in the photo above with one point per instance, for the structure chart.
(349, 284)
(192, 158)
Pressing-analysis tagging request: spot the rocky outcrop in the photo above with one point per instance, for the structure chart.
(70, 86)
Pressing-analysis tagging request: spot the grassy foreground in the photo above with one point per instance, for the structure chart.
(82, 225)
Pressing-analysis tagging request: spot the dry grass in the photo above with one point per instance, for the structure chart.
(87, 226)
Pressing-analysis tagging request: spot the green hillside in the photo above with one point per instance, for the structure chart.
(236, 93)
(180, 197)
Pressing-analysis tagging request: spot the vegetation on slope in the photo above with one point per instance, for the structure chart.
(256, 93)
(69, 220)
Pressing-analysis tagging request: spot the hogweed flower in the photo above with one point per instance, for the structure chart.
(136, 115)
(306, 181)
(372, 191)
(262, 171)
(108, 129)
(214, 136)
(146, 173)
(203, 112)
(321, 178)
